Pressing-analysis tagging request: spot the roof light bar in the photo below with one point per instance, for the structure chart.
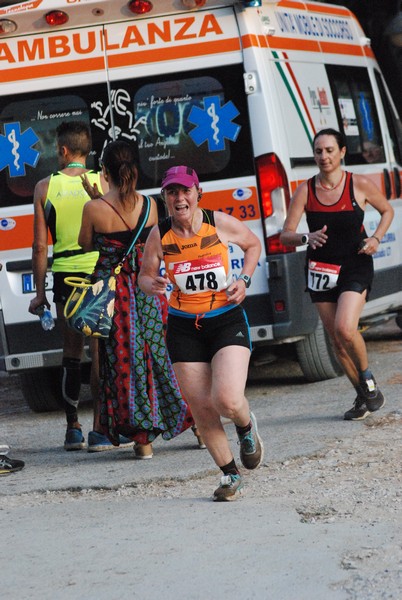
(193, 3)
(140, 7)
(56, 17)
(7, 26)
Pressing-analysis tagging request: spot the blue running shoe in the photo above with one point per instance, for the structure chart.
(229, 488)
(98, 442)
(251, 446)
(125, 442)
(74, 440)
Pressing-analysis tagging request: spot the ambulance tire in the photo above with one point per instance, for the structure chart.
(398, 320)
(41, 389)
(316, 356)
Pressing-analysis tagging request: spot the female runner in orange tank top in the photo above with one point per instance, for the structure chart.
(207, 332)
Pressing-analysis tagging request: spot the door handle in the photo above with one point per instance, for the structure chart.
(387, 184)
(397, 181)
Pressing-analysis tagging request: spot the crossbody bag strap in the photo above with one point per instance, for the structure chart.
(145, 216)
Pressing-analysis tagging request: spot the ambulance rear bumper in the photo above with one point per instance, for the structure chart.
(22, 346)
(285, 314)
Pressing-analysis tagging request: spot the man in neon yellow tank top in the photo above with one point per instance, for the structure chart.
(58, 204)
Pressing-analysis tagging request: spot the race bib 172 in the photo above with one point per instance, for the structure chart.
(322, 276)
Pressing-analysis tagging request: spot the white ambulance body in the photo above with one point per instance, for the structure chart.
(235, 91)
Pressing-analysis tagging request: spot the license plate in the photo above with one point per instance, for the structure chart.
(28, 285)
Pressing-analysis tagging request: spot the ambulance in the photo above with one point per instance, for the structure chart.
(234, 88)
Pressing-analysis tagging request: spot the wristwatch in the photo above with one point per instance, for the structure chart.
(246, 279)
(304, 239)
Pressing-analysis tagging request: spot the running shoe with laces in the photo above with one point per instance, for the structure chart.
(74, 439)
(358, 412)
(10, 465)
(251, 446)
(229, 488)
(373, 397)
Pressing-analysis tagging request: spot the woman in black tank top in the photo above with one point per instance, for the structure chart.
(339, 257)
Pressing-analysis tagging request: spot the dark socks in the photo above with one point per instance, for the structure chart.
(230, 468)
(363, 376)
(71, 386)
(243, 430)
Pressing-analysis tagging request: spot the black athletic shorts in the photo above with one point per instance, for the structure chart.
(61, 291)
(187, 343)
(352, 278)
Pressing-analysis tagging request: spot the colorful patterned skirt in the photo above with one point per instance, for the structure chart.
(139, 393)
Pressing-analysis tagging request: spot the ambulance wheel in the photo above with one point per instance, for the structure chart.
(398, 320)
(41, 389)
(316, 356)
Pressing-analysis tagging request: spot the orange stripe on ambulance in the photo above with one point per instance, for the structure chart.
(87, 42)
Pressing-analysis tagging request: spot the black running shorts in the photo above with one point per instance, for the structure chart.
(188, 343)
(61, 291)
(355, 277)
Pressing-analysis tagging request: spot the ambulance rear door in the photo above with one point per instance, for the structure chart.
(47, 78)
(180, 79)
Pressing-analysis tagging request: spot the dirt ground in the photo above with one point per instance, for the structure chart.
(321, 519)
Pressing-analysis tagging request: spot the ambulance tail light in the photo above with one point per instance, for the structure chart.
(275, 198)
(7, 26)
(140, 7)
(274, 245)
(56, 17)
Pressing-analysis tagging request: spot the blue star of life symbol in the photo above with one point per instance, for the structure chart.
(214, 123)
(16, 149)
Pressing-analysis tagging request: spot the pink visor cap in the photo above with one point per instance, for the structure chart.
(181, 175)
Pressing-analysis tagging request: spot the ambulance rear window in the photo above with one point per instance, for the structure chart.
(196, 118)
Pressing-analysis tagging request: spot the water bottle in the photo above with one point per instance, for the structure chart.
(46, 318)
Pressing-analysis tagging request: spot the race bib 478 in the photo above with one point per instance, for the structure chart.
(200, 275)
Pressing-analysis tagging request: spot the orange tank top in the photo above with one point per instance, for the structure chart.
(198, 267)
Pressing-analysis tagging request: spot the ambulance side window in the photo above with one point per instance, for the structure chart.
(393, 121)
(357, 114)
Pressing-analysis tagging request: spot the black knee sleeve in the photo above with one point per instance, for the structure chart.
(70, 387)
